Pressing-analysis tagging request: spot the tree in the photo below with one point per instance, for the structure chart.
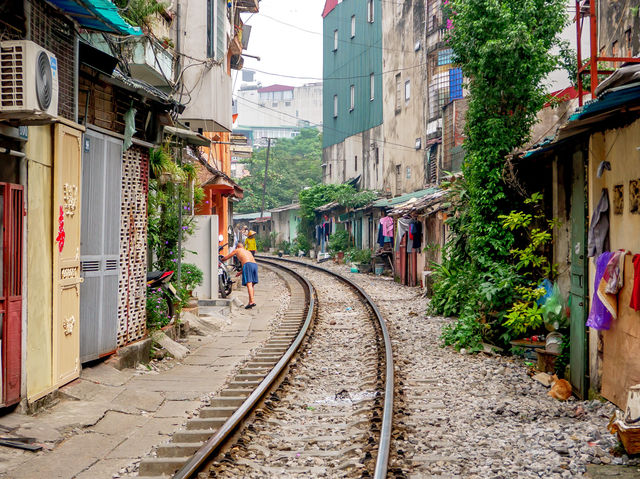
(503, 48)
(294, 164)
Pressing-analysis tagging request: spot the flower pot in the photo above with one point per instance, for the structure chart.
(364, 267)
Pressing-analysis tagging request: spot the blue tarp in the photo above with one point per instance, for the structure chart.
(99, 15)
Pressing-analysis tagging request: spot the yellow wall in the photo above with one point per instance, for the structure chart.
(39, 263)
(619, 148)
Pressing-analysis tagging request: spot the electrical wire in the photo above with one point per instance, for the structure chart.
(324, 127)
(337, 78)
(331, 37)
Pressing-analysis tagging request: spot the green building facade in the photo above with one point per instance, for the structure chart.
(352, 53)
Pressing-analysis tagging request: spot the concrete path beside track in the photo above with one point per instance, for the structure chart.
(108, 419)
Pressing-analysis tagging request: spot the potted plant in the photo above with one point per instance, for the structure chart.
(338, 244)
(191, 277)
(362, 259)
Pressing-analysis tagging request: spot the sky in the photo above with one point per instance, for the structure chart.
(285, 49)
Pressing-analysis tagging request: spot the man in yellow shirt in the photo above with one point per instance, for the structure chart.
(250, 243)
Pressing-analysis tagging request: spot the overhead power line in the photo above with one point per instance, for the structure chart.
(324, 127)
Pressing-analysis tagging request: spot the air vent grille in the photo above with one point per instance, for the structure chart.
(12, 77)
(111, 265)
(90, 265)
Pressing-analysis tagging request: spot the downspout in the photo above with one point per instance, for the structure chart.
(76, 75)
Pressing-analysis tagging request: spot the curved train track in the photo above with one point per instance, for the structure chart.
(316, 399)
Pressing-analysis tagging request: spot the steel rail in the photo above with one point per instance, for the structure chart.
(208, 448)
(382, 461)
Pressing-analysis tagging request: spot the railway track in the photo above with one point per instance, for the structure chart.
(316, 400)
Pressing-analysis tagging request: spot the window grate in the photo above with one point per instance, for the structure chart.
(56, 34)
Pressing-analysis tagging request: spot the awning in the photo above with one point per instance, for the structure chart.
(189, 136)
(389, 202)
(99, 15)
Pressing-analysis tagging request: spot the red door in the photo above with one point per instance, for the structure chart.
(11, 221)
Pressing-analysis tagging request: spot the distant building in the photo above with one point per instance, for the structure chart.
(353, 136)
(241, 151)
(277, 111)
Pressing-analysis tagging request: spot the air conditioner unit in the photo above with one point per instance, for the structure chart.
(28, 82)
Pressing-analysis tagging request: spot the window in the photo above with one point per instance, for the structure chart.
(355, 163)
(408, 172)
(352, 103)
(398, 92)
(221, 36)
(353, 26)
(370, 13)
(335, 40)
(372, 86)
(335, 106)
(211, 31)
(407, 91)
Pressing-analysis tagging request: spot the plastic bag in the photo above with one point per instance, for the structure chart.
(548, 287)
(553, 310)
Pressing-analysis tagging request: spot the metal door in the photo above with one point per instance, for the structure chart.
(99, 245)
(66, 254)
(11, 235)
(579, 291)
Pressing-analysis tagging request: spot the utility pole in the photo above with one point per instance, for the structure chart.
(264, 184)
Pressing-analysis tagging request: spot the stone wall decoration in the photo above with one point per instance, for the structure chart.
(634, 196)
(132, 278)
(618, 199)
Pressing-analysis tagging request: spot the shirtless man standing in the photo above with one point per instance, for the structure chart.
(249, 270)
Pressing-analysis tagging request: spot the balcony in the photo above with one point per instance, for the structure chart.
(147, 59)
(150, 62)
(247, 6)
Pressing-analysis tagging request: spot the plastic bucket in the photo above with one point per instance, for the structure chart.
(554, 343)
(379, 269)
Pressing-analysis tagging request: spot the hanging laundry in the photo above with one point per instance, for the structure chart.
(380, 240)
(614, 273)
(404, 224)
(599, 227)
(416, 227)
(599, 315)
(387, 226)
(635, 292)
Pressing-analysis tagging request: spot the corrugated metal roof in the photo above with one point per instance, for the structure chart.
(328, 6)
(293, 206)
(276, 87)
(387, 202)
(100, 15)
(250, 216)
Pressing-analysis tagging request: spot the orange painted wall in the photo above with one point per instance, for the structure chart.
(218, 156)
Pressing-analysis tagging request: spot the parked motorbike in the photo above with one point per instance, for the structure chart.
(162, 280)
(225, 283)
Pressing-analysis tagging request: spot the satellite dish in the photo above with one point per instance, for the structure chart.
(44, 80)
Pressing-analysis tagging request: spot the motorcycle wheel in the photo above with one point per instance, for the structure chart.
(171, 309)
(221, 288)
(228, 288)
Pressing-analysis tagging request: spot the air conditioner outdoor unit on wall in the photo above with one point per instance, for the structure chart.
(28, 82)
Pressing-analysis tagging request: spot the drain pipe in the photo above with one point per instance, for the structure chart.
(7, 151)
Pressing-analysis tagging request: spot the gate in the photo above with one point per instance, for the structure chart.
(67, 177)
(100, 244)
(11, 221)
(579, 281)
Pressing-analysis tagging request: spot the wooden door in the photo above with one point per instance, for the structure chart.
(100, 244)
(11, 238)
(67, 179)
(579, 276)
